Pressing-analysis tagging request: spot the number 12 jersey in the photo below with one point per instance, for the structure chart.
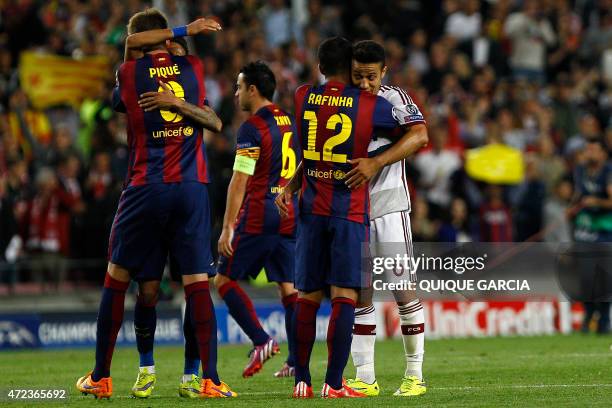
(335, 123)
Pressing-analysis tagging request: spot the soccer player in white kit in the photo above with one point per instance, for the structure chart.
(389, 223)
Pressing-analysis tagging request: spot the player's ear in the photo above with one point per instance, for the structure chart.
(384, 71)
(168, 44)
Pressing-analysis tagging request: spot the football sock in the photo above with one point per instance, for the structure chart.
(192, 353)
(362, 347)
(110, 319)
(289, 305)
(241, 308)
(204, 323)
(412, 320)
(305, 331)
(145, 321)
(339, 333)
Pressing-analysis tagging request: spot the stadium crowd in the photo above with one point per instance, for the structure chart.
(533, 75)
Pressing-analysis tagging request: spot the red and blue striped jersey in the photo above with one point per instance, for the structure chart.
(335, 123)
(164, 146)
(268, 137)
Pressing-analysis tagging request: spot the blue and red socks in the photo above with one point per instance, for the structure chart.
(289, 302)
(339, 334)
(145, 322)
(192, 353)
(241, 308)
(305, 332)
(204, 324)
(110, 319)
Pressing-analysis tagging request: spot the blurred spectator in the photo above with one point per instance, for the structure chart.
(276, 20)
(465, 24)
(423, 228)
(551, 167)
(588, 129)
(417, 54)
(42, 230)
(557, 226)
(529, 202)
(565, 109)
(456, 229)
(435, 168)
(530, 34)
(495, 217)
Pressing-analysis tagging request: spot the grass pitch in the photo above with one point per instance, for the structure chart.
(559, 371)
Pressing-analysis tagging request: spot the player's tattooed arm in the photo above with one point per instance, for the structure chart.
(166, 100)
(204, 115)
(364, 169)
(134, 43)
(283, 200)
(235, 195)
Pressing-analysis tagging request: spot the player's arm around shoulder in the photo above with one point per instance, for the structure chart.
(405, 115)
(166, 100)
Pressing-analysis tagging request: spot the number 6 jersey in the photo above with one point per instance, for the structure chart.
(335, 123)
(265, 149)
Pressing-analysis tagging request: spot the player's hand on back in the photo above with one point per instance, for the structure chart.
(202, 25)
(159, 100)
(364, 170)
(224, 246)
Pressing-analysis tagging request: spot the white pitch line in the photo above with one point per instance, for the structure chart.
(521, 386)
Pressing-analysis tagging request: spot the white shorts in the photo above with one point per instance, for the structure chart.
(390, 235)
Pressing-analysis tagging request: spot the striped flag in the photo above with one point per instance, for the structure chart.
(52, 80)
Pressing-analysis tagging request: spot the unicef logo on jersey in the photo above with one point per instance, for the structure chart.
(339, 174)
(328, 175)
(176, 132)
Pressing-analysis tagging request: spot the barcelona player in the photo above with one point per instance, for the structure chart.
(145, 315)
(389, 223)
(335, 123)
(254, 236)
(163, 208)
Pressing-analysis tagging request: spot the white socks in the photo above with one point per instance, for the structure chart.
(362, 347)
(412, 320)
(150, 369)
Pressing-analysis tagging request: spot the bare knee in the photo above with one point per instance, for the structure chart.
(148, 292)
(221, 280)
(118, 273)
(349, 293)
(286, 289)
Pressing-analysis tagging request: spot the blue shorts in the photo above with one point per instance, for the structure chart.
(157, 220)
(329, 252)
(252, 252)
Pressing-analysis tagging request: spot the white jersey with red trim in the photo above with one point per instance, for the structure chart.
(389, 188)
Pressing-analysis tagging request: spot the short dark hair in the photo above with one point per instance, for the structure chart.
(335, 56)
(149, 19)
(261, 76)
(369, 52)
(182, 42)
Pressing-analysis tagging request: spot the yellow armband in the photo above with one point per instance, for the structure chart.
(245, 164)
